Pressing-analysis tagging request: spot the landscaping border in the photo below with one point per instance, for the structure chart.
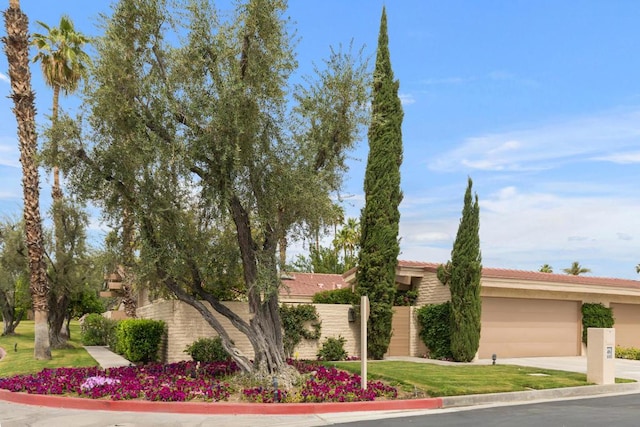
(218, 408)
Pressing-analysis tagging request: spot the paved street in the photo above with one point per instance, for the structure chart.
(619, 411)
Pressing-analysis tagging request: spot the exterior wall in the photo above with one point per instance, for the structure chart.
(431, 291)
(185, 325)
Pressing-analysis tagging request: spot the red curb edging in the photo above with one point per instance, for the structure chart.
(225, 408)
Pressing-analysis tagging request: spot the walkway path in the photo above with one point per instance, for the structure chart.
(105, 357)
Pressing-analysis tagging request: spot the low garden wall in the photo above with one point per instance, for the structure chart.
(185, 325)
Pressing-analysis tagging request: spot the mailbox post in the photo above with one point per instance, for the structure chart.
(601, 355)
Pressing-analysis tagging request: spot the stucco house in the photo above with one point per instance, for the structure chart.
(524, 313)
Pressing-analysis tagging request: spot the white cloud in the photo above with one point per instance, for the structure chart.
(525, 229)
(548, 145)
(626, 157)
(4, 78)
(9, 154)
(407, 99)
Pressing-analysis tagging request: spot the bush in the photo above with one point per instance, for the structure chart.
(336, 296)
(405, 298)
(595, 315)
(139, 339)
(435, 329)
(295, 322)
(98, 330)
(333, 349)
(207, 350)
(629, 353)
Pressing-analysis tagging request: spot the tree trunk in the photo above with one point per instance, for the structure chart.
(17, 49)
(58, 306)
(128, 289)
(10, 317)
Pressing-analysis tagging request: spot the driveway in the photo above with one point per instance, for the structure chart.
(624, 368)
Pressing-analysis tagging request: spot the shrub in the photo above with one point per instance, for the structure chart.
(336, 296)
(295, 322)
(629, 353)
(595, 315)
(333, 349)
(98, 330)
(405, 298)
(139, 339)
(435, 329)
(207, 350)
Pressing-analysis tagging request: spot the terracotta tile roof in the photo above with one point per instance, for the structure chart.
(309, 284)
(500, 273)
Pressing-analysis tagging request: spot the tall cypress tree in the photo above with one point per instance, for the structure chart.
(465, 270)
(379, 247)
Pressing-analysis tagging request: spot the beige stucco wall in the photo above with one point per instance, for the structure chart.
(185, 325)
(432, 291)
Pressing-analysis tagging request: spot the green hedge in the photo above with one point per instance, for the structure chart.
(98, 330)
(435, 329)
(595, 315)
(336, 296)
(630, 353)
(138, 340)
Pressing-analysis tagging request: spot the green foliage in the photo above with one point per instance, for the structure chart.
(435, 329)
(207, 103)
(595, 315)
(464, 281)
(406, 298)
(98, 330)
(379, 222)
(138, 340)
(629, 353)
(333, 349)
(296, 320)
(336, 296)
(207, 350)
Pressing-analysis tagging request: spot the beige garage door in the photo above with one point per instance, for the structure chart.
(627, 324)
(520, 327)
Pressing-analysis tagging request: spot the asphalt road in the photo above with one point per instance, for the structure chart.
(610, 411)
(618, 411)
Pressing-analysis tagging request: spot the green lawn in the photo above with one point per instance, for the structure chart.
(425, 379)
(415, 379)
(22, 360)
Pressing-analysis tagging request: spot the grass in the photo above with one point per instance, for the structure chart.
(412, 379)
(22, 360)
(425, 379)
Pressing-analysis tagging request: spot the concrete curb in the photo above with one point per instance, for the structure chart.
(218, 408)
(548, 394)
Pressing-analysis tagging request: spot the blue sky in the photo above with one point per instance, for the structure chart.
(538, 102)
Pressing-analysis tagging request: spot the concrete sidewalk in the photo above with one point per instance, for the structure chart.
(105, 357)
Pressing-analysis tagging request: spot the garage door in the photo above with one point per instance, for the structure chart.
(627, 324)
(520, 327)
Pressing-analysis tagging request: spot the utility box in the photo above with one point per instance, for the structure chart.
(601, 355)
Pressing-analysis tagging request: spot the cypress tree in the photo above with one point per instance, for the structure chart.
(465, 270)
(379, 247)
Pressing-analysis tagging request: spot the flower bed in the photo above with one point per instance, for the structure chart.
(186, 381)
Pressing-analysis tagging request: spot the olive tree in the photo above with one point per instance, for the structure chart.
(194, 126)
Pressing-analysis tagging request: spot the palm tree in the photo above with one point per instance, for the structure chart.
(348, 239)
(63, 64)
(576, 269)
(16, 46)
(637, 268)
(546, 268)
